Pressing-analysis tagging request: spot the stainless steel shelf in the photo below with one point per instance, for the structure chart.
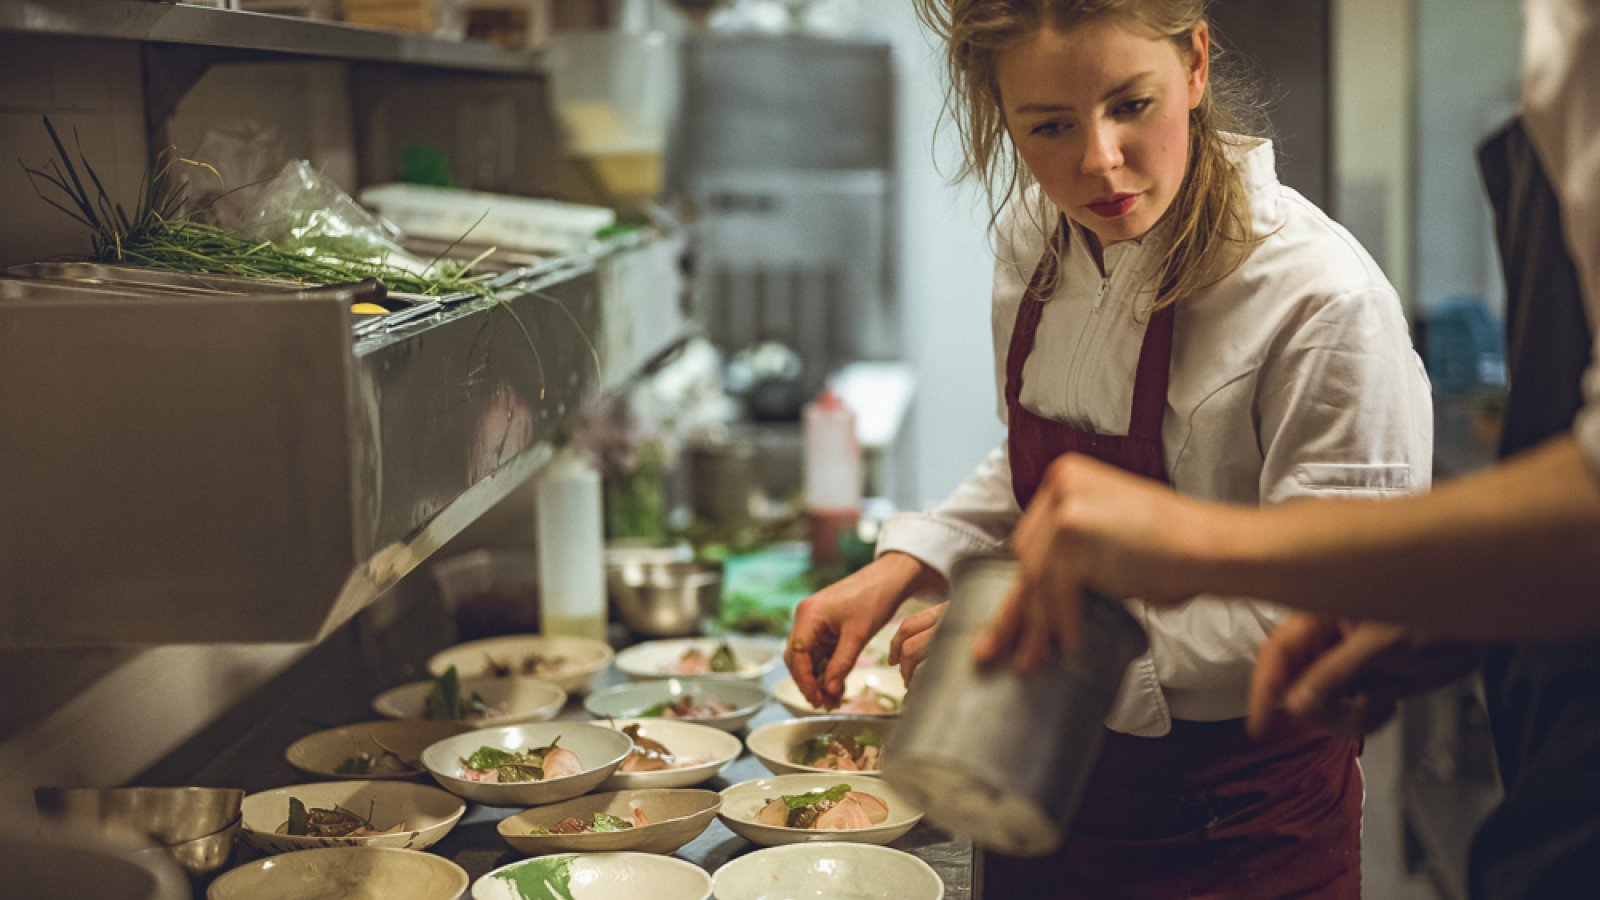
(185, 469)
(165, 23)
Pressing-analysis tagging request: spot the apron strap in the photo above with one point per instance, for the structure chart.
(1150, 384)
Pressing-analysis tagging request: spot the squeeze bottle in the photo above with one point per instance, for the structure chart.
(832, 473)
(571, 549)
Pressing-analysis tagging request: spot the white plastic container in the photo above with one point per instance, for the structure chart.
(571, 545)
(832, 473)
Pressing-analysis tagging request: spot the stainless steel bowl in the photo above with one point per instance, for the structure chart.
(195, 826)
(662, 592)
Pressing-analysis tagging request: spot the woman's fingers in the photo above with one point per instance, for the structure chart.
(913, 651)
(912, 626)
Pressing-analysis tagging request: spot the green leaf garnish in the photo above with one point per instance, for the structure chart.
(723, 659)
(832, 795)
(299, 819)
(605, 822)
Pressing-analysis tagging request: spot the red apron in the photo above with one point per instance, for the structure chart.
(1204, 811)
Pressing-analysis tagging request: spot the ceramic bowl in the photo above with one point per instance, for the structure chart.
(828, 870)
(753, 657)
(344, 873)
(673, 817)
(595, 876)
(570, 663)
(774, 743)
(323, 754)
(704, 749)
(72, 860)
(599, 749)
(629, 701)
(424, 813)
(193, 826)
(741, 802)
(884, 681)
(510, 700)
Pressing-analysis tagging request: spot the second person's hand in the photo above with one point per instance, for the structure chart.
(833, 625)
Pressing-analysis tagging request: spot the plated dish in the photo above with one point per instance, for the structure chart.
(648, 821)
(728, 659)
(568, 662)
(826, 871)
(344, 873)
(670, 753)
(595, 876)
(349, 814)
(387, 748)
(792, 809)
(822, 744)
(479, 701)
(527, 765)
(868, 691)
(728, 705)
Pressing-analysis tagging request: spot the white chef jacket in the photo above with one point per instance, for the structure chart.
(1561, 109)
(1294, 376)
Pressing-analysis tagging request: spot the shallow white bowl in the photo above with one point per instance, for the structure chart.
(581, 658)
(319, 755)
(675, 818)
(426, 814)
(741, 802)
(599, 749)
(658, 659)
(512, 700)
(344, 873)
(713, 747)
(828, 870)
(884, 679)
(627, 701)
(596, 876)
(774, 742)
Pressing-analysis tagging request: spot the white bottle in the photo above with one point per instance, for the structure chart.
(832, 473)
(571, 545)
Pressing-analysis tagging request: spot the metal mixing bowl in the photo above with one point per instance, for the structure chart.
(195, 826)
(662, 592)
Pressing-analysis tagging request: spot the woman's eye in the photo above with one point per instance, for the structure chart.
(1134, 107)
(1048, 129)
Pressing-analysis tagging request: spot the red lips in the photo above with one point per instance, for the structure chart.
(1113, 206)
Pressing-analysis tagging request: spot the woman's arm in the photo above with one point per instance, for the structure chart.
(1507, 554)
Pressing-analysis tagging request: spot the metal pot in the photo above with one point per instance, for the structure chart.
(996, 757)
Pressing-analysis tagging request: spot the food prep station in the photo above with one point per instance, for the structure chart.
(203, 463)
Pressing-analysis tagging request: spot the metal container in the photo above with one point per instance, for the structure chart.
(194, 826)
(661, 592)
(996, 757)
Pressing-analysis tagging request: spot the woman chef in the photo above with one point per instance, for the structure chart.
(1162, 304)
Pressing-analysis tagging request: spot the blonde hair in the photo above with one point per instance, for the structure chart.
(1210, 229)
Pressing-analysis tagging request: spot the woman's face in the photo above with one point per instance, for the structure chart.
(1100, 115)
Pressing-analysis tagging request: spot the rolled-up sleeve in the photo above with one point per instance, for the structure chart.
(977, 518)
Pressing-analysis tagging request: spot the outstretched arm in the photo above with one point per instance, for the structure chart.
(1509, 553)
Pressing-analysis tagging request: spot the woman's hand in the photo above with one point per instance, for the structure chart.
(832, 625)
(1090, 526)
(1346, 676)
(910, 644)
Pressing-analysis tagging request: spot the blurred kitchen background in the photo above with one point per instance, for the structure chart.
(788, 154)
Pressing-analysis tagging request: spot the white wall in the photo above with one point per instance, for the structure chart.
(944, 261)
(1467, 55)
(1372, 110)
